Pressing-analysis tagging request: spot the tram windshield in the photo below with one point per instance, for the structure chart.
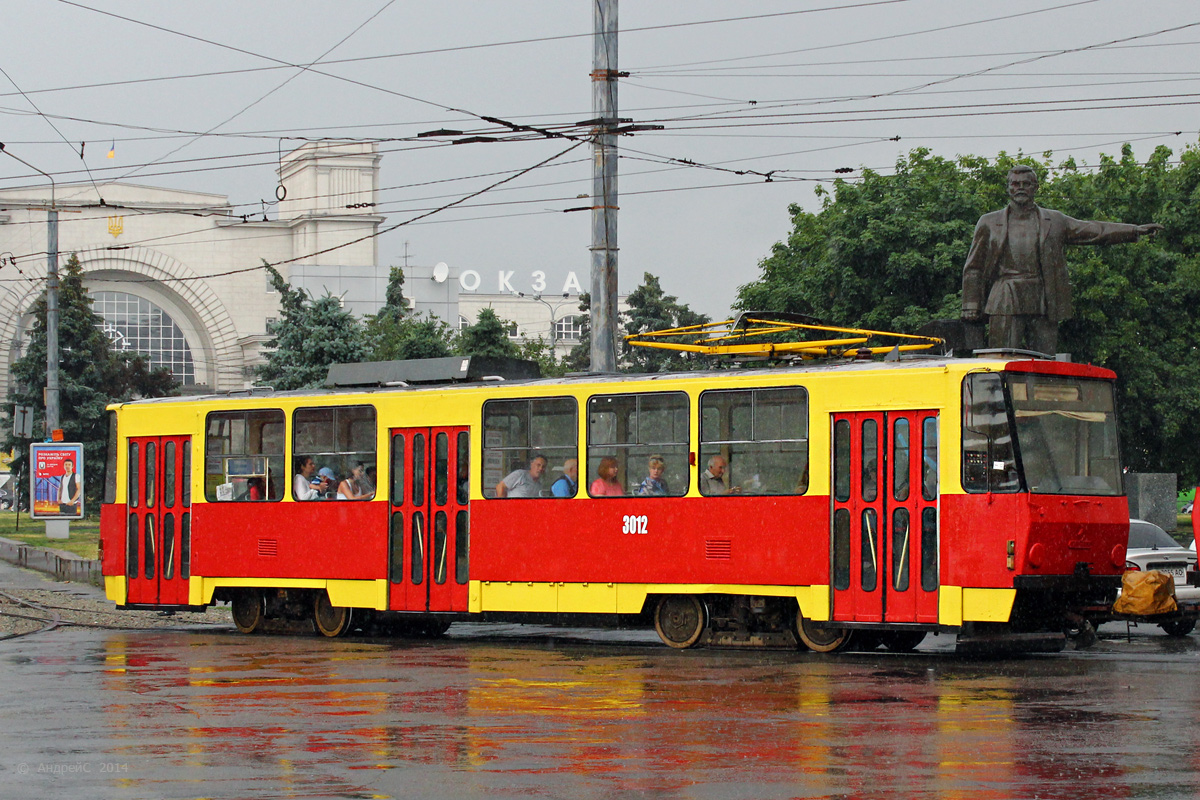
(1066, 434)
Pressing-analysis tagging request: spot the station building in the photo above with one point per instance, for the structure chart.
(177, 275)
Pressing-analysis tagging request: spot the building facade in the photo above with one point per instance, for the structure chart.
(178, 275)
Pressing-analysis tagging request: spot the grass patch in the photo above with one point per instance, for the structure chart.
(84, 541)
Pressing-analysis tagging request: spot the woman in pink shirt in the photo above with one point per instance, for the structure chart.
(607, 484)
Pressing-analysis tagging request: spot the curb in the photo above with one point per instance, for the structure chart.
(62, 565)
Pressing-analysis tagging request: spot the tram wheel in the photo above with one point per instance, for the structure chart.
(821, 640)
(247, 610)
(1178, 627)
(680, 620)
(328, 619)
(902, 641)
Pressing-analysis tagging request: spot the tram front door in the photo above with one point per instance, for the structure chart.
(158, 534)
(429, 540)
(884, 524)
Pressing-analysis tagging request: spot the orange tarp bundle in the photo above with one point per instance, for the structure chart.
(1146, 593)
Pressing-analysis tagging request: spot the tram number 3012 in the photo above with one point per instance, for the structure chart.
(635, 524)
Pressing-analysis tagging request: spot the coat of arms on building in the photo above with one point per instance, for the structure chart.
(116, 226)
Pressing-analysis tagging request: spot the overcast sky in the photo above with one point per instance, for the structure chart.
(757, 87)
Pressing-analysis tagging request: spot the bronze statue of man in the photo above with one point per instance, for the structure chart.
(1016, 275)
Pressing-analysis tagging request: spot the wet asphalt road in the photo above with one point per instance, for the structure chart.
(521, 712)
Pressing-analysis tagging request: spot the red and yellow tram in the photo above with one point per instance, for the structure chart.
(867, 500)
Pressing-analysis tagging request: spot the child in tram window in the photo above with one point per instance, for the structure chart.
(654, 485)
(331, 481)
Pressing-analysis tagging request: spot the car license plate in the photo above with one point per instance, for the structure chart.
(1178, 573)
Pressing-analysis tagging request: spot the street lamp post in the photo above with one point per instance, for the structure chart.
(52, 394)
(553, 314)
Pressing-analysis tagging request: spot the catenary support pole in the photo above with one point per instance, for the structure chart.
(604, 188)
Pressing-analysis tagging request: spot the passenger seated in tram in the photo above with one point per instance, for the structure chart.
(654, 485)
(607, 484)
(331, 481)
(524, 482)
(568, 483)
(306, 485)
(351, 487)
(256, 489)
(712, 481)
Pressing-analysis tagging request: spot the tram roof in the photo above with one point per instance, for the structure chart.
(603, 379)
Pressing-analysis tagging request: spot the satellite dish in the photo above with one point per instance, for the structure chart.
(441, 271)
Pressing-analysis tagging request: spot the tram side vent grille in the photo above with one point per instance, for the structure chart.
(268, 547)
(718, 549)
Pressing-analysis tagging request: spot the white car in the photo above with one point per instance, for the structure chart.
(1150, 547)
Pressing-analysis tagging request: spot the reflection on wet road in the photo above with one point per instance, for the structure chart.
(508, 712)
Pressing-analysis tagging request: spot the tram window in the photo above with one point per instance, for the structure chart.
(150, 550)
(185, 477)
(110, 459)
(134, 484)
(417, 559)
(396, 549)
(870, 460)
(988, 463)
(168, 561)
(148, 492)
(398, 469)
(463, 468)
(870, 549)
(339, 438)
(131, 548)
(418, 470)
(640, 433)
(441, 468)
(168, 499)
(929, 458)
(841, 549)
(900, 549)
(763, 436)
(517, 431)
(243, 456)
(929, 550)
(462, 547)
(841, 460)
(185, 545)
(900, 459)
(439, 547)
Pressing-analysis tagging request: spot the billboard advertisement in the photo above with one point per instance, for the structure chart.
(56, 481)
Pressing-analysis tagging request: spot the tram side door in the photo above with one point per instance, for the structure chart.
(911, 586)
(858, 542)
(429, 523)
(158, 524)
(884, 517)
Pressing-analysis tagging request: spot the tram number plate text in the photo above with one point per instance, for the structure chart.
(634, 523)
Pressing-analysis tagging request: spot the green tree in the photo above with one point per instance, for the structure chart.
(309, 335)
(91, 375)
(652, 309)
(887, 252)
(394, 333)
(580, 357)
(487, 337)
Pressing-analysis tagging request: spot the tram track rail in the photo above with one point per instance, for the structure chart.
(48, 620)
